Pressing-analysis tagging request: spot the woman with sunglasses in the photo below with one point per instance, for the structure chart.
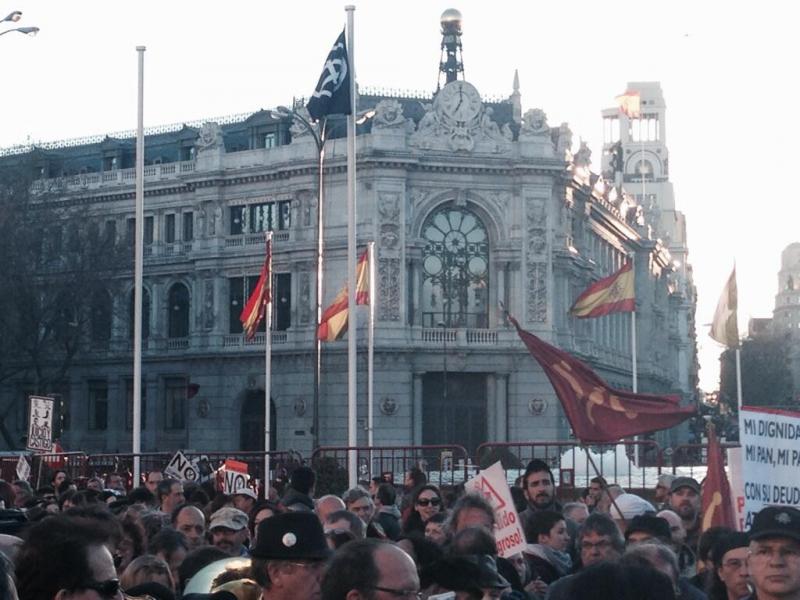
(426, 501)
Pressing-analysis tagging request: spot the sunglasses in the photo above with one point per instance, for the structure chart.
(427, 501)
(105, 589)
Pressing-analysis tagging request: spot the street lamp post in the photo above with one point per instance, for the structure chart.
(443, 325)
(319, 140)
(13, 17)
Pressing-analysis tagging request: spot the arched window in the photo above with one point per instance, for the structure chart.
(100, 322)
(456, 269)
(145, 314)
(178, 311)
(644, 168)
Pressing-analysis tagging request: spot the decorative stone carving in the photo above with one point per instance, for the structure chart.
(536, 301)
(534, 124)
(304, 306)
(208, 304)
(537, 227)
(389, 286)
(563, 141)
(209, 138)
(388, 114)
(583, 157)
(537, 406)
(299, 406)
(388, 406)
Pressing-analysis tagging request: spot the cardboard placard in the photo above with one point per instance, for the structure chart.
(40, 424)
(236, 476)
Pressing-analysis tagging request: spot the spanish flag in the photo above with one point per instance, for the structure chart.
(615, 293)
(334, 320)
(630, 104)
(256, 307)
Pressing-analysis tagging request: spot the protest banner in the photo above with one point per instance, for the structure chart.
(737, 485)
(40, 424)
(235, 476)
(181, 468)
(770, 441)
(492, 484)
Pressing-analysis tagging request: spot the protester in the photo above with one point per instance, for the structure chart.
(705, 563)
(362, 568)
(608, 581)
(613, 491)
(436, 529)
(170, 546)
(147, 568)
(191, 522)
(647, 527)
(327, 505)
(169, 494)
(263, 509)
(662, 489)
(774, 553)
(539, 487)
(244, 499)
(229, 532)
(387, 513)
(300, 492)
(473, 576)
(131, 545)
(288, 560)
(577, 512)
(684, 499)
(426, 501)
(359, 502)
(152, 480)
(731, 576)
(686, 558)
(116, 483)
(546, 552)
(343, 526)
(597, 488)
(471, 510)
(626, 507)
(662, 558)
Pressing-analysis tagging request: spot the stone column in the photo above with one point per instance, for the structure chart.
(501, 407)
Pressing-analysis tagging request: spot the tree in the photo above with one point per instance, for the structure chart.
(766, 377)
(60, 273)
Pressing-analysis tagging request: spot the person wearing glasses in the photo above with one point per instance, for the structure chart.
(289, 557)
(774, 553)
(371, 569)
(730, 574)
(425, 502)
(63, 559)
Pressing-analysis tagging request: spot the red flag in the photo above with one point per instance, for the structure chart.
(717, 507)
(256, 307)
(630, 104)
(615, 293)
(597, 412)
(334, 319)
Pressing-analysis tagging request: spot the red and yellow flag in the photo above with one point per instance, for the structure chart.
(597, 412)
(334, 319)
(256, 307)
(716, 500)
(630, 104)
(615, 293)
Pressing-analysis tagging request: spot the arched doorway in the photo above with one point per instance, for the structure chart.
(251, 429)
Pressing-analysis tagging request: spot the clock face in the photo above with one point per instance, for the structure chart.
(460, 101)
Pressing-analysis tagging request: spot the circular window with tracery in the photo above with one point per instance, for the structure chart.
(455, 263)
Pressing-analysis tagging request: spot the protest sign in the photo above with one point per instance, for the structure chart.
(737, 485)
(40, 424)
(770, 441)
(23, 468)
(236, 476)
(492, 484)
(181, 468)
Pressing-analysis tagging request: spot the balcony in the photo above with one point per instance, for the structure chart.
(116, 177)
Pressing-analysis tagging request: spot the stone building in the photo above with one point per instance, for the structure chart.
(471, 202)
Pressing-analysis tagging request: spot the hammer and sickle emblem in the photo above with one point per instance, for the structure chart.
(596, 397)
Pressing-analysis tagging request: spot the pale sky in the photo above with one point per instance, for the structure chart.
(726, 69)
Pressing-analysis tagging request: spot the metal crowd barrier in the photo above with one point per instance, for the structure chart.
(445, 465)
(635, 465)
(691, 459)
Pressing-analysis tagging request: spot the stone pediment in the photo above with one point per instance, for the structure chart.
(458, 121)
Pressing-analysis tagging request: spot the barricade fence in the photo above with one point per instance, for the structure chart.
(634, 464)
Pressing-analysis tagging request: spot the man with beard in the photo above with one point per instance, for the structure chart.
(539, 488)
(684, 499)
(229, 532)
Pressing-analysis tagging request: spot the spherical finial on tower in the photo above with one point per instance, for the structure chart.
(451, 21)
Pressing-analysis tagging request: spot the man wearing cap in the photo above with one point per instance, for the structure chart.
(647, 527)
(289, 556)
(244, 499)
(774, 553)
(229, 532)
(730, 567)
(684, 499)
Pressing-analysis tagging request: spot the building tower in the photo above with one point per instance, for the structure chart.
(452, 62)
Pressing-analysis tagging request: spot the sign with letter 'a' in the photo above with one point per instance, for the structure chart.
(236, 476)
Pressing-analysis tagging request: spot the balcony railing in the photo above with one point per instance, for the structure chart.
(114, 177)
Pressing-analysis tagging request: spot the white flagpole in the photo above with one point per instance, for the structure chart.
(268, 368)
(371, 348)
(137, 277)
(352, 414)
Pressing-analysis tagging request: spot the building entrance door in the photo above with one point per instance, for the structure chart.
(457, 416)
(252, 423)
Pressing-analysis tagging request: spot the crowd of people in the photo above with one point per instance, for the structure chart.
(382, 540)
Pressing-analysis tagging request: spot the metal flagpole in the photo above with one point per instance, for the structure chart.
(268, 366)
(371, 348)
(352, 415)
(137, 277)
(320, 246)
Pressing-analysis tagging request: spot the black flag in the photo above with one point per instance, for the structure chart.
(332, 94)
